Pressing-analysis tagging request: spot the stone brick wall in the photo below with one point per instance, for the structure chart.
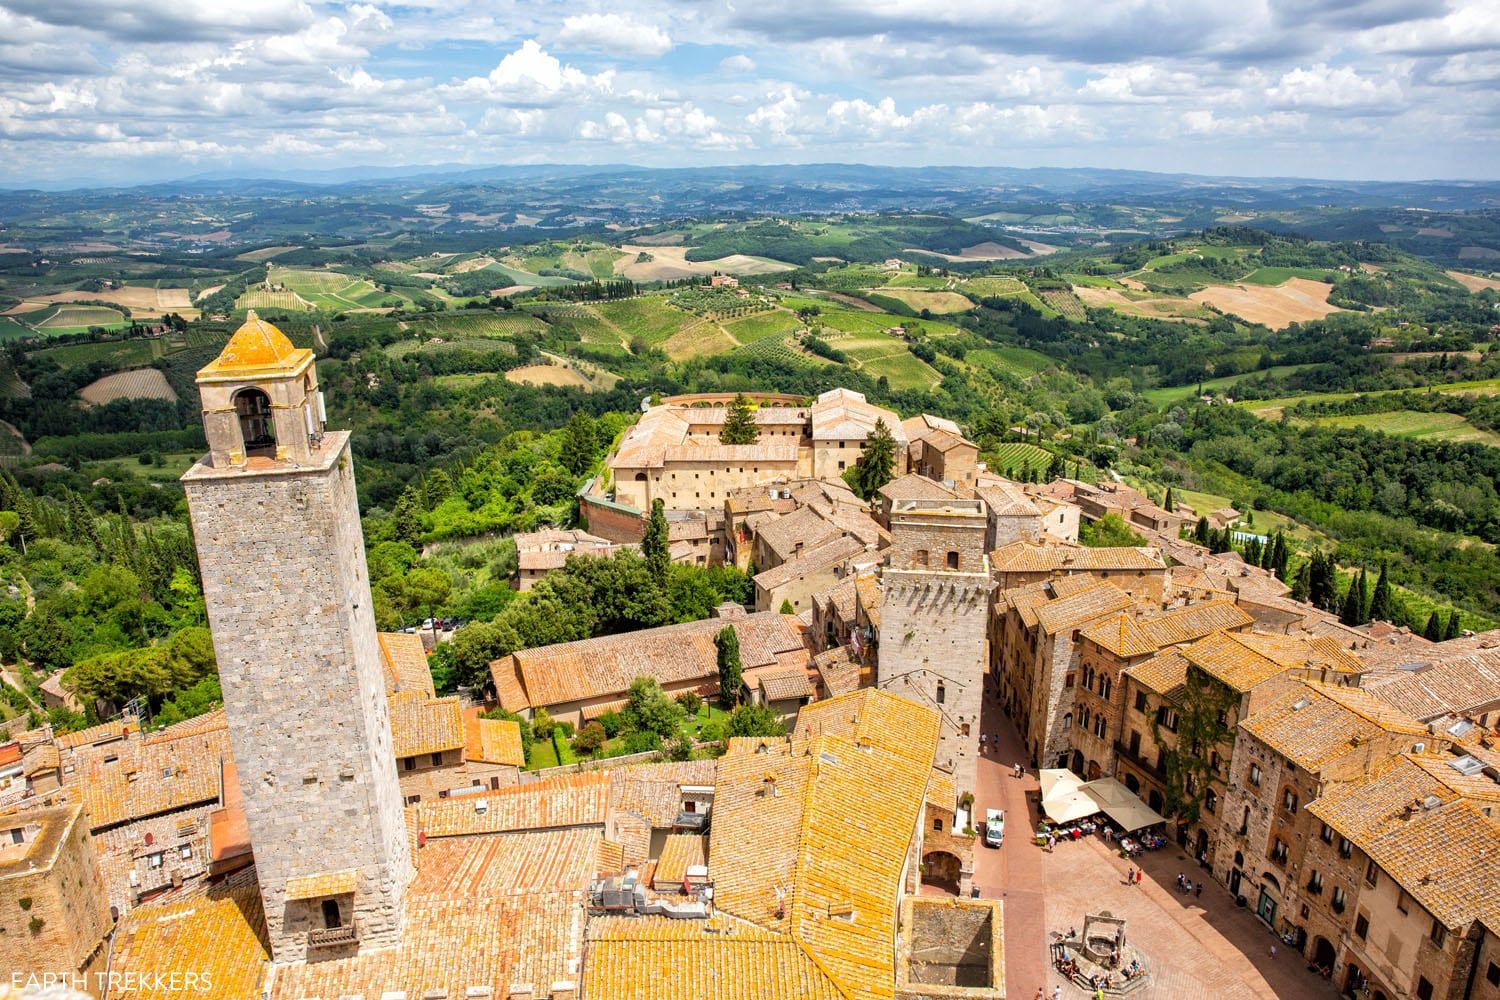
(288, 598)
(934, 650)
(68, 899)
(427, 780)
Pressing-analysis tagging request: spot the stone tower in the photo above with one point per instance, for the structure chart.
(282, 554)
(934, 617)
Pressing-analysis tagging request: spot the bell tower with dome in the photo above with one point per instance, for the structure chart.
(281, 550)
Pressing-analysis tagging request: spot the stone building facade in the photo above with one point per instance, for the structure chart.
(276, 521)
(935, 601)
(54, 911)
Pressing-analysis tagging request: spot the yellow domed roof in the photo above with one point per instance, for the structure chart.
(257, 348)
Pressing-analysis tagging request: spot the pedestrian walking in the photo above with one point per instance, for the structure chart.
(983, 739)
(1039, 994)
(1051, 842)
(1181, 878)
(1130, 876)
(1273, 951)
(1057, 993)
(1198, 889)
(1137, 876)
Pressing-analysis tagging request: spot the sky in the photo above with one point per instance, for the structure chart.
(140, 90)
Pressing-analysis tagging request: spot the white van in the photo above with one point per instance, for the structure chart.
(994, 827)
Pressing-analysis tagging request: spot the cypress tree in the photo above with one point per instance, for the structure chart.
(731, 674)
(1455, 627)
(1169, 503)
(1353, 604)
(654, 544)
(1434, 630)
(1380, 601)
(1200, 531)
(1301, 586)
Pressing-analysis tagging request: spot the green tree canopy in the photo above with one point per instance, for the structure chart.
(739, 424)
(754, 720)
(876, 466)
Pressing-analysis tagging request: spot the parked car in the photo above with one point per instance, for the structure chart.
(994, 827)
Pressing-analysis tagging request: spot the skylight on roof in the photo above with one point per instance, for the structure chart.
(1467, 764)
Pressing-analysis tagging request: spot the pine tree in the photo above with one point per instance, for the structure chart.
(1169, 503)
(786, 607)
(1380, 601)
(1455, 626)
(739, 424)
(1321, 590)
(1200, 531)
(655, 545)
(731, 670)
(1434, 630)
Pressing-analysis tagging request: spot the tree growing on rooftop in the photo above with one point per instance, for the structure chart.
(739, 424)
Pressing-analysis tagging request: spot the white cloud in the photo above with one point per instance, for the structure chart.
(738, 63)
(529, 77)
(1322, 87)
(614, 34)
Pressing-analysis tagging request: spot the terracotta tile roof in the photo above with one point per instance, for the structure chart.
(785, 685)
(923, 424)
(1165, 673)
(868, 590)
(842, 414)
(657, 958)
(946, 440)
(492, 741)
(569, 800)
(839, 670)
(1463, 685)
(505, 864)
(916, 487)
(840, 599)
(42, 757)
(942, 790)
(654, 791)
(97, 734)
(811, 833)
(823, 556)
(405, 662)
(421, 724)
(1071, 612)
(220, 935)
(805, 526)
(604, 667)
(1441, 849)
(1314, 724)
(149, 777)
(680, 852)
(1243, 661)
(1005, 499)
(454, 946)
(208, 722)
(1032, 557)
(323, 884)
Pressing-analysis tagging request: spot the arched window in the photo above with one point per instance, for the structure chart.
(1210, 801)
(953, 560)
(1105, 687)
(942, 694)
(640, 477)
(1067, 722)
(253, 407)
(1088, 678)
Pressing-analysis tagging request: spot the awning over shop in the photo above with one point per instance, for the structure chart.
(1067, 797)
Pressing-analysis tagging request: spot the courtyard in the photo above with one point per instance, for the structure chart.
(1196, 946)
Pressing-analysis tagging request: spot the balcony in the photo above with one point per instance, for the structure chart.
(332, 937)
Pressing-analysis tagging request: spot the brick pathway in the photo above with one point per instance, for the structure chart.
(1200, 948)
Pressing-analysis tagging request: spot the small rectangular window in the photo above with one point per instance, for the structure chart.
(409, 763)
(1362, 926)
(154, 860)
(186, 852)
(1439, 933)
(437, 760)
(1424, 988)
(1372, 874)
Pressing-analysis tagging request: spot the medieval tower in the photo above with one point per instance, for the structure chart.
(934, 609)
(283, 561)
